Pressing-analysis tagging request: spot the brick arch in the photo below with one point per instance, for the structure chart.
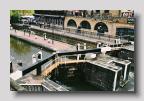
(85, 24)
(111, 26)
(101, 27)
(71, 23)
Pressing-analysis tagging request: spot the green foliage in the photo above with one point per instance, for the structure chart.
(14, 17)
(16, 14)
(19, 46)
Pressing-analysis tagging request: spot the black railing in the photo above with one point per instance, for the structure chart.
(38, 65)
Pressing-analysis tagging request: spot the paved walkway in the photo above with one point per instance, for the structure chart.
(55, 45)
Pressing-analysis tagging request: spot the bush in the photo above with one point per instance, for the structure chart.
(15, 17)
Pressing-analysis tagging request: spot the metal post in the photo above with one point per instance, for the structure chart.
(78, 56)
(39, 55)
(78, 47)
(11, 67)
(84, 46)
(39, 70)
(33, 58)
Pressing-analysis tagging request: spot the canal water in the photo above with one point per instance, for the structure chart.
(23, 51)
(73, 82)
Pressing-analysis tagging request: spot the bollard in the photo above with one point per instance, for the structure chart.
(39, 55)
(84, 46)
(33, 58)
(20, 63)
(98, 45)
(78, 47)
(78, 56)
(11, 27)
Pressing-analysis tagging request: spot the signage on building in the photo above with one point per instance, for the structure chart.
(128, 13)
(130, 20)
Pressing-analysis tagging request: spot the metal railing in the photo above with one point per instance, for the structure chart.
(81, 32)
(61, 59)
(94, 35)
(34, 87)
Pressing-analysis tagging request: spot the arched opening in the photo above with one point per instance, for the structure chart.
(71, 23)
(85, 25)
(101, 27)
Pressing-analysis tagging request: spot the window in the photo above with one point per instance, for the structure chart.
(97, 11)
(106, 11)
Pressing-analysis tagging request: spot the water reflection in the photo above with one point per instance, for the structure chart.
(19, 47)
(23, 51)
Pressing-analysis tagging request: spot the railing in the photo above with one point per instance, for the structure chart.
(67, 59)
(104, 16)
(82, 32)
(94, 35)
(43, 63)
(45, 86)
(34, 87)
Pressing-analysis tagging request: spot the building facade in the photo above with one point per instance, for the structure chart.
(50, 18)
(106, 22)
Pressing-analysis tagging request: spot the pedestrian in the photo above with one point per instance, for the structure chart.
(29, 32)
(24, 31)
(52, 41)
(45, 36)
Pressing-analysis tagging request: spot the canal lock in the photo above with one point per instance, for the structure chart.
(73, 77)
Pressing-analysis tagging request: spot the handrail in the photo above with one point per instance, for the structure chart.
(37, 65)
(58, 61)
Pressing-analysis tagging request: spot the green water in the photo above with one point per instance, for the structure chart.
(21, 50)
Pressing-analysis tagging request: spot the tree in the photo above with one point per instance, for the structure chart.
(16, 14)
(14, 17)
